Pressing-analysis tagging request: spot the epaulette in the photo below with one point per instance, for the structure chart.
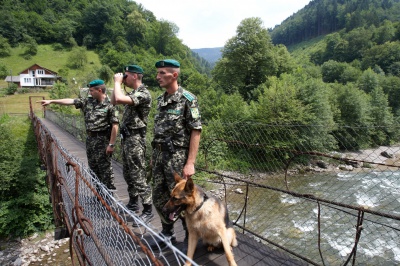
(188, 96)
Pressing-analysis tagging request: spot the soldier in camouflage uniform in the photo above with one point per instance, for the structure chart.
(133, 134)
(101, 121)
(176, 140)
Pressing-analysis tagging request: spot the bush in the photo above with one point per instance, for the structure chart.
(24, 200)
(11, 89)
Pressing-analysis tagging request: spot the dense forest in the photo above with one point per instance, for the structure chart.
(321, 17)
(121, 31)
(349, 77)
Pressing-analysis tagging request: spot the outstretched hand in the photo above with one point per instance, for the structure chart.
(44, 102)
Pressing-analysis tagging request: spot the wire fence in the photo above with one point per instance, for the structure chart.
(327, 195)
(97, 224)
(339, 205)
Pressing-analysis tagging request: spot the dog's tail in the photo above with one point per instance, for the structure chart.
(232, 237)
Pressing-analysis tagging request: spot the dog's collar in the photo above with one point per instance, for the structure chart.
(205, 197)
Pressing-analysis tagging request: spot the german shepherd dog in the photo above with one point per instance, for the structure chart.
(206, 218)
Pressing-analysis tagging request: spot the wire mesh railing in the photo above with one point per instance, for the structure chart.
(335, 206)
(98, 225)
(328, 195)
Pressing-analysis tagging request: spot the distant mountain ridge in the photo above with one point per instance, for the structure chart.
(211, 55)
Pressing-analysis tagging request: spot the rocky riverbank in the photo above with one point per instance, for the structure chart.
(35, 250)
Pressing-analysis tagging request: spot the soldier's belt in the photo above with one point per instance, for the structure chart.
(97, 133)
(167, 147)
(161, 147)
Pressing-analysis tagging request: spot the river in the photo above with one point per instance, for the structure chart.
(293, 222)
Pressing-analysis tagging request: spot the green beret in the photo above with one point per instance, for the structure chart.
(95, 83)
(134, 69)
(167, 63)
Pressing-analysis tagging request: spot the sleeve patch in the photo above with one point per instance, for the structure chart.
(195, 112)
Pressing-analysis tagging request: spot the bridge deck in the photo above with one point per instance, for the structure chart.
(248, 252)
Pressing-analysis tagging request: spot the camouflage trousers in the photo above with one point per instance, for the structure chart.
(99, 162)
(134, 167)
(164, 166)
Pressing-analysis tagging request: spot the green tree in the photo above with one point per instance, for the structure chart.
(247, 59)
(97, 21)
(384, 33)
(358, 41)
(164, 34)
(64, 29)
(332, 70)
(78, 58)
(31, 47)
(24, 200)
(335, 47)
(382, 118)
(279, 104)
(3, 71)
(368, 81)
(136, 27)
(391, 87)
(5, 47)
(61, 91)
(105, 73)
(384, 55)
(11, 28)
(355, 117)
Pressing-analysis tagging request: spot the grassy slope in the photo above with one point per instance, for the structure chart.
(303, 50)
(19, 103)
(47, 58)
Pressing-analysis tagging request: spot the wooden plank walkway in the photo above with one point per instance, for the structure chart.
(248, 252)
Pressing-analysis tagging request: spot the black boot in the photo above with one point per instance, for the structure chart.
(167, 234)
(133, 204)
(146, 216)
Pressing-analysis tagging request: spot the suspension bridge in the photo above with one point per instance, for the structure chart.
(341, 209)
(99, 225)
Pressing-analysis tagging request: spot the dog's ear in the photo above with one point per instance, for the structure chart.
(177, 178)
(189, 185)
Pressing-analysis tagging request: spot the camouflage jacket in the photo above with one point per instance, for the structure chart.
(136, 116)
(98, 116)
(177, 115)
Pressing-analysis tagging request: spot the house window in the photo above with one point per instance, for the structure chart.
(40, 71)
(27, 80)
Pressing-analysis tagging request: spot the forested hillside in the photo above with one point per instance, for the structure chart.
(321, 17)
(121, 32)
(255, 79)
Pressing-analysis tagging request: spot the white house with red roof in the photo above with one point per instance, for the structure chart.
(34, 76)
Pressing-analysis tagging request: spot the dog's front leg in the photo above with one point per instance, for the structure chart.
(192, 243)
(227, 249)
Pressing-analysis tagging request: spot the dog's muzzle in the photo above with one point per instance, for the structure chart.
(174, 214)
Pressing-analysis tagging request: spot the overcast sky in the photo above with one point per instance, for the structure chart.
(210, 23)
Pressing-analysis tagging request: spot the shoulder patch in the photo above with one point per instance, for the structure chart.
(188, 96)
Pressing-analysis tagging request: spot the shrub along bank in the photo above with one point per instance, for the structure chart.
(24, 198)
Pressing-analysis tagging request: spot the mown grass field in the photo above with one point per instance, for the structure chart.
(19, 103)
(47, 58)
